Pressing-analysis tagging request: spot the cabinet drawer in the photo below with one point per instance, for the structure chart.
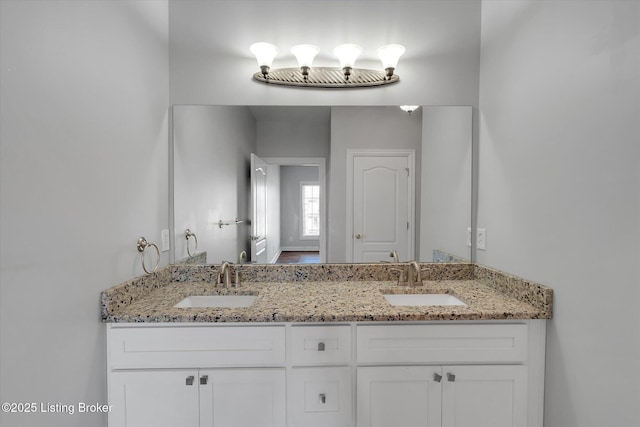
(442, 343)
(321, 345)
(195, 347)
(320, 397)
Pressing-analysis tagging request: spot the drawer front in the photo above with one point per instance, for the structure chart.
(195, 347)
(321, 345)
(320, 397)
(442, 344)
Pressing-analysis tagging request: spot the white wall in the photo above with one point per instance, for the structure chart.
(290, 207)
(212, 147)
(293, 138)
(445, 205)
(211, 62)
(360, 128)
(273, 212)
(83, 174)
(559, 189)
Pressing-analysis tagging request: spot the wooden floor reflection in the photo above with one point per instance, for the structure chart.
(299, 257)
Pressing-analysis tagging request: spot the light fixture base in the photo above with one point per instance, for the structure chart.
(326, 77)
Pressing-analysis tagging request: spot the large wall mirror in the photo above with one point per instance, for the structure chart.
(324, 184)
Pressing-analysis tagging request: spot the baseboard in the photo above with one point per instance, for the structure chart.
(300, 249)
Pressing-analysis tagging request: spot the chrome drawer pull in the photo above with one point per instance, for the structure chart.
(190, 379)
(437, 377)
(204, 379)
(451, 377)
(323, 398)
(320, 346)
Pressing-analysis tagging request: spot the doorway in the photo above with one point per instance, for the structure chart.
(320, 164)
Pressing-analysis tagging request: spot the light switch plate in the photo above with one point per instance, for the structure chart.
(481, 239)
(165, 240)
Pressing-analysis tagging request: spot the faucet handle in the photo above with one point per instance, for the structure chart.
(401, 277)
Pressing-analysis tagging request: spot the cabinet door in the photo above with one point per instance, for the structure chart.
(399, 396)
(154, 398)
(484, 396)
(320, 397)
(242, 398)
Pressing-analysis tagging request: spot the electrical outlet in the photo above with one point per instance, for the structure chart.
(481, 239)
(165, 240)
(469, 236)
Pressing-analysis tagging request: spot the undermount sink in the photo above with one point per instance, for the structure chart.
(422, 299)
(217, 301)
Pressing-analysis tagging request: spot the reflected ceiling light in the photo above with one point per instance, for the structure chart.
(409, 108)
(345, 76)
(264, 53)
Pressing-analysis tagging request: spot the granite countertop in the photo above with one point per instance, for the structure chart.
(331, 301)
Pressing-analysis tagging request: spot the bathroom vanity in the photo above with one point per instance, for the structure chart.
(309, 351)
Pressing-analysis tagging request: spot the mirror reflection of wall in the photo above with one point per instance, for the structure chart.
(211, 149)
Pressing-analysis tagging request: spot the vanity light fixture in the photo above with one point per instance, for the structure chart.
(409, 108)
(326, 77)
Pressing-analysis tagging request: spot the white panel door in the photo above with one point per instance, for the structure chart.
(242, 398)
(484, 396)
(258, 210)
(154, 398)
(399, 396)
(381, 208)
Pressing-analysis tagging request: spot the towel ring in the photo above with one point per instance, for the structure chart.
(188, 233)
(142, 246)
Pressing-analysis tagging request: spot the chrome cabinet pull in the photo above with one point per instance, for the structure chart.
(190, 379)
(358, 236)
(437, 377)
(451, 377)
(320, 346)
(204, 379)
(323, 398)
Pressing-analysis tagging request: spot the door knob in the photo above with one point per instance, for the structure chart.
(358, 236)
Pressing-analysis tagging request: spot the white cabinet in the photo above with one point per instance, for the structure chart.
(447, 396)
(243, 397)
(484, 396)
(154, 398)
(320, 397)
(399, 396)
(205, 398)
(375, 374)
(455, 375)
(196, 375)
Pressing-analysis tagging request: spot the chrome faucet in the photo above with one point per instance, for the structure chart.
(242, 257)
(415, 275)
(224, 274)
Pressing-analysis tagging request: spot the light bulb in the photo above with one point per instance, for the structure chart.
(347, 54)
(389, 55)
(305, 53)
(265, 53)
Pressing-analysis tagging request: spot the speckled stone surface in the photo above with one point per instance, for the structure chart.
(441, 256)
(199, 258)
(326, 293)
